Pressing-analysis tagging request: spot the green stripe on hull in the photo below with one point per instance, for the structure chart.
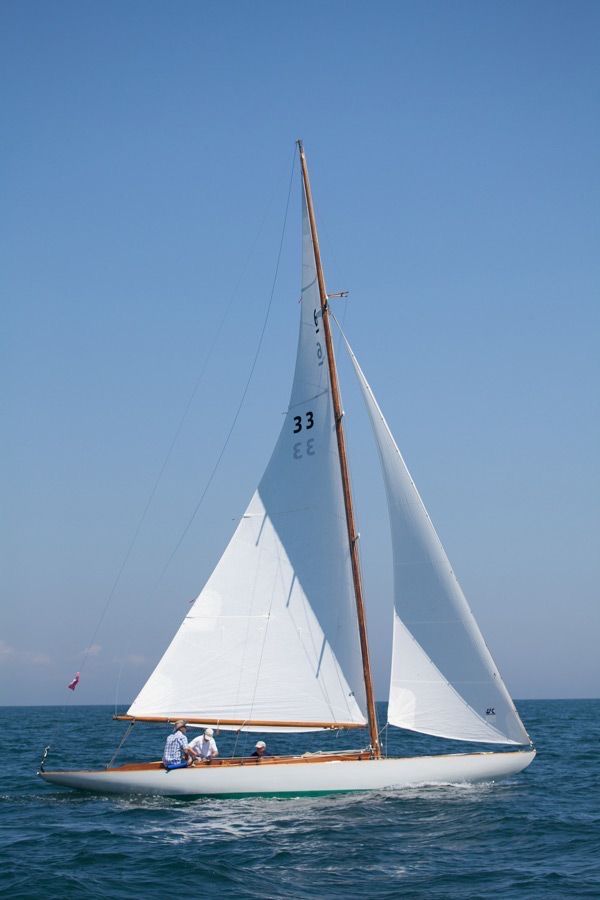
(283, 795)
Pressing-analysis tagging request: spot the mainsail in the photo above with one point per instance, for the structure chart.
(443, 679)
(273, 634)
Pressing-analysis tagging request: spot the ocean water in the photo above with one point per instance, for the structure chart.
(535, 835)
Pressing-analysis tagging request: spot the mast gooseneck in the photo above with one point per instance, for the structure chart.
(341, 443)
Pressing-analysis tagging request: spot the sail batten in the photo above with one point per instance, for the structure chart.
(272, 637)
(443, 679)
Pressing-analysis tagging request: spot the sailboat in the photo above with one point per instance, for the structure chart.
(277, 638)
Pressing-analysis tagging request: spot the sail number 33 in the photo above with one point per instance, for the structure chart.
(303, 448)
(308, 424)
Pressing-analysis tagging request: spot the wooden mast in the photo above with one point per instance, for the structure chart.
(341, 442)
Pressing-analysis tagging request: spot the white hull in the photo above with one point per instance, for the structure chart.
(322, 777)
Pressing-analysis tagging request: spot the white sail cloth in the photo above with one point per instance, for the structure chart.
(443, 679)
(273, 634)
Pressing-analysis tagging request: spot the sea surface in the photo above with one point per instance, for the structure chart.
(534, 835)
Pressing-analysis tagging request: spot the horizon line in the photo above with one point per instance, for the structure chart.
(112, 705)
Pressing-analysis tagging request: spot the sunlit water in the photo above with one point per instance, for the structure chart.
(535, 835)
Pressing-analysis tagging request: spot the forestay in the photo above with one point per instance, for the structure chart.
(273, 634)
(443, 679)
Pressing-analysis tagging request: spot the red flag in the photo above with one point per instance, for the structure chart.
(73, 684)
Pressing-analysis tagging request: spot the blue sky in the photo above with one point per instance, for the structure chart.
(145, 155)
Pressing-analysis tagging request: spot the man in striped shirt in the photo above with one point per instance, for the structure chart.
(176, 754)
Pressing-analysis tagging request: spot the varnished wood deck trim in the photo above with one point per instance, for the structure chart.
(251, 761)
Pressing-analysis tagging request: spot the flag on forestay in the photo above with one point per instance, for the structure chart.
(73, 684)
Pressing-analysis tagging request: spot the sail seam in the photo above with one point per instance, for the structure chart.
(308, 399)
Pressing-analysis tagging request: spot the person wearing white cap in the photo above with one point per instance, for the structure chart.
(204, 746)
(261, 749)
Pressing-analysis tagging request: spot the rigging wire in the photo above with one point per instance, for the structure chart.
(237, 412)
(110, 764)
(245, 390)
(176, 435)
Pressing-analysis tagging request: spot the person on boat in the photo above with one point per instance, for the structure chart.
(261, 749)
(177, 754)
(204, 747)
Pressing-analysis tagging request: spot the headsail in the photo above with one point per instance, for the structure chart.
(273, 635)
(443, 679)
